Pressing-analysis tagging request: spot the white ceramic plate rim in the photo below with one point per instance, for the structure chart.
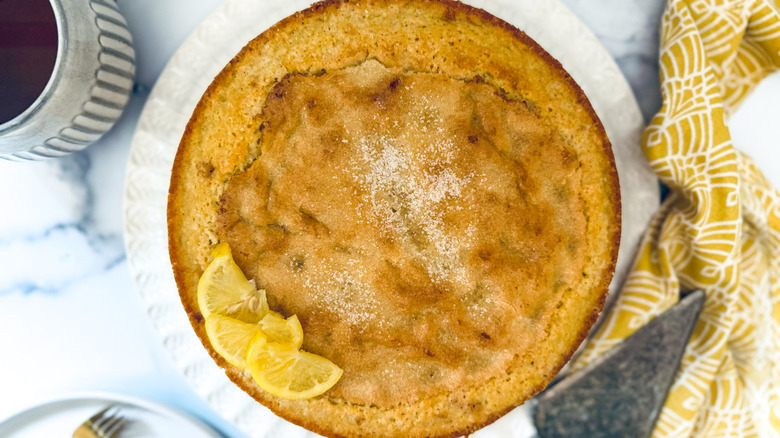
(203, 55)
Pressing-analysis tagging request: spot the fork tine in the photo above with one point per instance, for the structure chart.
(115, 428)
(99, 421)
(108, 424)
(93, 419)
(110, 421)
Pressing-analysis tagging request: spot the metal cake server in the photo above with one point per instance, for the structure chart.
(622, 393)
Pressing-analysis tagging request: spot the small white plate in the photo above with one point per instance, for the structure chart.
(60, 417)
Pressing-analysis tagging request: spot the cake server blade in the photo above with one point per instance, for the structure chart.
(622, 393)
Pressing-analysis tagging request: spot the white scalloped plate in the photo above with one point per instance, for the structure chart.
(208, 50)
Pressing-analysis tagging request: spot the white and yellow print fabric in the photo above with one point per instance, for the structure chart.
(718, 230)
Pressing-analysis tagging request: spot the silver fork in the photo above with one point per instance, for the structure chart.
(105, 424)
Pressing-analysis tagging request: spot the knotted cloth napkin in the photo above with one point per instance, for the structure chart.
(718, 230)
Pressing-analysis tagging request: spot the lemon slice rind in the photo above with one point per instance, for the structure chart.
(231, 337)
(291, 373)
(224, 289)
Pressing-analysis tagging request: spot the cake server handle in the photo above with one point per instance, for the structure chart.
(622, 393)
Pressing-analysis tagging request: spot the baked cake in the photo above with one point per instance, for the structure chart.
(425, 188)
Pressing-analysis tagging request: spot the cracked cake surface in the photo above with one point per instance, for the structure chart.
(425, 188)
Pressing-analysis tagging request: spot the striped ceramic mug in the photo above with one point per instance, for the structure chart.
(89, 86)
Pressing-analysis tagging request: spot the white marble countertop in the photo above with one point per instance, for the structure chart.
(70, 317)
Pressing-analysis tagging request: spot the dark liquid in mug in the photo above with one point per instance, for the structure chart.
(28, 49)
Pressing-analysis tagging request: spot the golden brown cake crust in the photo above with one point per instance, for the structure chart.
(451, 257)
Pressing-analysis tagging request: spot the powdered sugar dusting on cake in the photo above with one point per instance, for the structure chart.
(406, 182)
(344, 292)
(410, 184)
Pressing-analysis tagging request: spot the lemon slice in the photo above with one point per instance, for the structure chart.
(247, 334)
(284, 332)
(290, 373)
(224, 289)
(231, 338)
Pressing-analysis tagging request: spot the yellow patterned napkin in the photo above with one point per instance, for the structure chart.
(719, 230)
